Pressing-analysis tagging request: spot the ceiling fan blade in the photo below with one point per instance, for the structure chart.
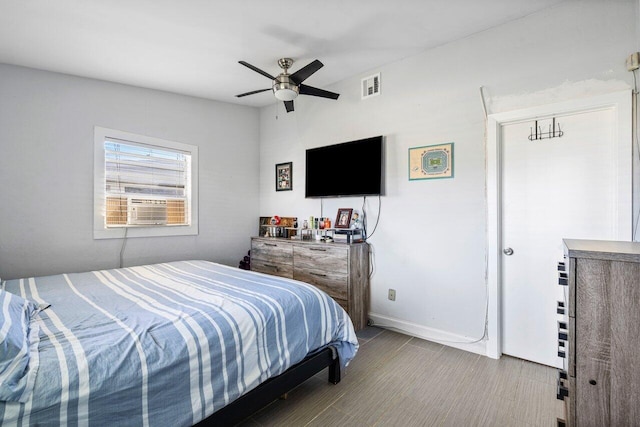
(303, 73)
(256, 69)
(314, 91)
(252, 92)
(289, 106)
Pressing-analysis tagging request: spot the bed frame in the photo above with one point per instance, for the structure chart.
(275, 387)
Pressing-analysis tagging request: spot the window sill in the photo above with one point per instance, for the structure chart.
(145, 231)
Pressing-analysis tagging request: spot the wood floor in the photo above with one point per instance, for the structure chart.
(397, 380)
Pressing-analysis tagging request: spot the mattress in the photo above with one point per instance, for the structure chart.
(164, 344)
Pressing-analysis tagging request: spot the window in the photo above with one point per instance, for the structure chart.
(143, 186)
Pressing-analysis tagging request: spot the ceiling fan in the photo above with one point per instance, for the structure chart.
(286, 87)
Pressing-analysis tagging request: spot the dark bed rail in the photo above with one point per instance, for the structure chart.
(275, 387)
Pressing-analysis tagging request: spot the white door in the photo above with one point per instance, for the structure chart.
(551, 189)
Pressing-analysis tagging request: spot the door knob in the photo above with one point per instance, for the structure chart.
(508, 251)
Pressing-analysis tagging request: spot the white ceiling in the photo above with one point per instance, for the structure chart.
(193, 47)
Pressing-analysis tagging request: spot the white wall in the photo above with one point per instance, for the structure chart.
(46, 170)
(430, 244)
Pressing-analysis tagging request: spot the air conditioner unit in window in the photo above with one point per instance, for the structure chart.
(146, 212)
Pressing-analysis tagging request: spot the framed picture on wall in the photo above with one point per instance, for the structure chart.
(284, 175)
(431, 162)
(343, 220)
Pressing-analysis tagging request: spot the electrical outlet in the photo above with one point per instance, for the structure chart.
(392, 294)
(633, 61)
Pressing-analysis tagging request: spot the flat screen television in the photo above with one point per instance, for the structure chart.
(353, 168)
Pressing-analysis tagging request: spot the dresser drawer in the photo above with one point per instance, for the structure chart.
(332, 282)
(340, 270)
(273, 268)
(273, 251)
(328, 259)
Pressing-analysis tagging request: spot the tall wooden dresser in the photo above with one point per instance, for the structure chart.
(341, 270)
(600, 384)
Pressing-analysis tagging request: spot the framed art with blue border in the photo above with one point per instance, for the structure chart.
(431, 162)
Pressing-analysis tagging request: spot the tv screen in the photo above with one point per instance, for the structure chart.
(349, 169)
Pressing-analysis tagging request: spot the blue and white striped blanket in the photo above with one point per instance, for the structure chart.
(166, 344)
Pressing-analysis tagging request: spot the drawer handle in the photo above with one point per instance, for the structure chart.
(562, 325)
(275, 267)
(562, 392)
(319, 274)
(592, 382)
(560, 308)
(270, 244)
(318, 249)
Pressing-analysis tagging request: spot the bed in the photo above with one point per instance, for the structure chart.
(176, 343)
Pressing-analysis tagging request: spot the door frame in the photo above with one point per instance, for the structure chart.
(621, 104)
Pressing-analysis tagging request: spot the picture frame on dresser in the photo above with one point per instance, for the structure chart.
(343, 219)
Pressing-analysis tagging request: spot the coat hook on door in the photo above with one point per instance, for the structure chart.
(553, 132)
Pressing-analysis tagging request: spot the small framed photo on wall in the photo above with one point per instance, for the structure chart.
(284, 175)
(343, 220)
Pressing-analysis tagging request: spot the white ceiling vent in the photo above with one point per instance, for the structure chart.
(371, 86)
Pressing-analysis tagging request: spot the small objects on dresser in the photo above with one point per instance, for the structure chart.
(343, 219)
(355, 221)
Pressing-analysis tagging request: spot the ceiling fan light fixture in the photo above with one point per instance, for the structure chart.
(285, 90)
(286, 94)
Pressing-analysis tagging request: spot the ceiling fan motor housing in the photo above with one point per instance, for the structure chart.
(284, 88)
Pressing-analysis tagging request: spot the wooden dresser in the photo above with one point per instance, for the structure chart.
(341, 270)
(602, 371)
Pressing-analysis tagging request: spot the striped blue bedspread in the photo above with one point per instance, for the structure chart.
(167, 344)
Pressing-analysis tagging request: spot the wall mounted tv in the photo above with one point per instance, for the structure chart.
(352, 168)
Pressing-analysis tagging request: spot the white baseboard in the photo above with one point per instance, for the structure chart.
(429, 334)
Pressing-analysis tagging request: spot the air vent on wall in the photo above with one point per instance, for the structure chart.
(371, 86)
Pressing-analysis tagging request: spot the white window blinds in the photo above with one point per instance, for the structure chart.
(145, 184)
